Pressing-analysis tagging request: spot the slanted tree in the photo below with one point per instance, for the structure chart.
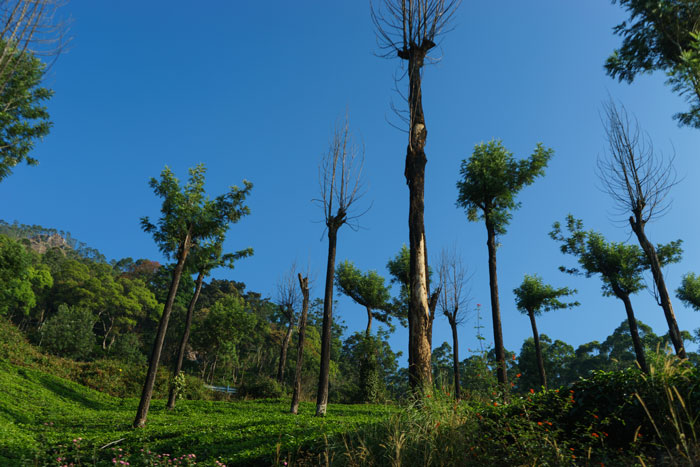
(409, 30)
(188, 218)
(620, 266)
(204, 258)
(661, 35)
(638, 179)
(491, 178)
(453, 302)
(304, 286)
(340, 178)
(24, 118)
(287, 300)
(533, 297)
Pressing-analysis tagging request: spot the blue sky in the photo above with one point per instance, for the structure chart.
(254, 89)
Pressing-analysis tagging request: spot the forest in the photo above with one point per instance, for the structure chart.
(183, 357)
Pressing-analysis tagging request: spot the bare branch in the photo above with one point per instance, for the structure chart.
(453, 276)
(288, 295)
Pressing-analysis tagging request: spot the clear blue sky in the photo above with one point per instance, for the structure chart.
(254, 89)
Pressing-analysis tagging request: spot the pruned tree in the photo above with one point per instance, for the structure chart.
(409, 30)
(638, 179)
(453, 302)
(287, 299)
(620, 266)
(661, 35)
(533, 297)
(188, 218)
(203, 259)
(304, 286)
(341, 188)
(491, 178)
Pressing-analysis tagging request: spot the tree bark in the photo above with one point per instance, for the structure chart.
(183, 341)
(304, 284)
(495, 305)
(455, 358)
(538, 349)
(634, 332)
(147, 393)
(657, 274)
(322, 396)
(368, 331)
(420, 369)
(283, 350)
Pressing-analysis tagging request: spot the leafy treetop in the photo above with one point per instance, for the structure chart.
(534, 296)
(366, 289)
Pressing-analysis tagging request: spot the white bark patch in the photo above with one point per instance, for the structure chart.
(422, 281)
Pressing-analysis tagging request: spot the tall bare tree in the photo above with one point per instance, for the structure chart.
(409, 29)
(304, 286)
(639, 179)
(453, 301)
(340, 178)
(31, 26)
(288, 298)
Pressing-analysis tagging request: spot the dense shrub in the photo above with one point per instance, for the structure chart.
(260, 387)
(128, 348)
(69, 333)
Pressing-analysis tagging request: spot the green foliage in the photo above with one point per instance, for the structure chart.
(689, 291)
(366, 289)
(69, 333)
(491, 178)
(260, 387)
(23, 118)
(533, 296)
(20, 277)
(661, 35)
(558, 358)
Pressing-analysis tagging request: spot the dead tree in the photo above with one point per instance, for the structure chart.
(638, 179)
(453, 301)
(287, 300)
(409, 29)
(304, 285)
(340, 179)
(30, 26)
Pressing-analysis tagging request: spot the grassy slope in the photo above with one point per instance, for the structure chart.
(40, 411)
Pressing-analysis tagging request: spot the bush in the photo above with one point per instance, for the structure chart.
(69, 333)
(127, 348)
(260, 387)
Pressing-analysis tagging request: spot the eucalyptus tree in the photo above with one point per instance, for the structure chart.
(453, 302)
(620, 266)
(367, 290)
(304, 286)
(661, 35)
(287, 301)
(203, 259)
(409, 29)
(341, 184)
(491, 178)
(188, 218)
(533, 297)
(638, 179)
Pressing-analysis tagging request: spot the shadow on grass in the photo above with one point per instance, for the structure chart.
(67, 391)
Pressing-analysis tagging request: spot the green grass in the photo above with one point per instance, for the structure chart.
(41, 415)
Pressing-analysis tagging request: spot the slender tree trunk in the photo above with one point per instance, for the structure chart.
(420, 369)
(147, 392)
(368, 331)
(455, 358)
(322, 396)
(183, 341)
(495, 305)
(304, 284)
(538, 349)
(634, 332)
(664, 298)
(285, 346)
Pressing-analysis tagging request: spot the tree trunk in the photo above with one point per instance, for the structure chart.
(538, 349)
(304, 284)
(420, 369)
(455, 357)
(147, 392)
(368, 331)
(664, 299)
(183, 342)
(322, 396)
(495, 305)
(636, 341)
(285, 346)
